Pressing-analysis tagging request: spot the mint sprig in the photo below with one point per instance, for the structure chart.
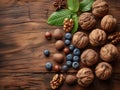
(57, 18)
(86, 5)
(73, 5)
(75, 28)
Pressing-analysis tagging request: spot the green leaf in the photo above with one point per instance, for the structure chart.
(75, 28)
(73, 5)
(58, 17)
(86, 5)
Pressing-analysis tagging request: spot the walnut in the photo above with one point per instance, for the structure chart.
(103, 70)
(97, 37)
(80, 40)
(87, 21)
(100, 8)
(108, 52)
(89, 57)
(108, 23)
(68, 25)
(114, 38)
(85, 77)
(56, 81)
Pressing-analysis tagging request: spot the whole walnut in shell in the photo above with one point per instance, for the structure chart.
(109, 52)
(97, 37)
(87, 21)
(89, 57)
(85, 77)
(80, 39)
(103, 70)
(100, 8)
(108, 23)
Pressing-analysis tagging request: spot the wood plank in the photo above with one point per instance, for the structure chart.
(22, 25)
(37, 81)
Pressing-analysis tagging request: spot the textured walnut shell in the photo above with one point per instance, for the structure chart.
(80, 39)
(87, 21)
(109, 52)
(108, 23)
(100, 8)
(85, 77)
(89, 57)
(56, 81)
(103, 70)
(97, 37)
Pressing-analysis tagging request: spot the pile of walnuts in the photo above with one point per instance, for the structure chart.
(98, 38)
(104, 37)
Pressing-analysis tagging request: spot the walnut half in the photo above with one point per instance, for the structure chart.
(56, 81)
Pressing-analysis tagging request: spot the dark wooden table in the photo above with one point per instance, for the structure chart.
(22, 28)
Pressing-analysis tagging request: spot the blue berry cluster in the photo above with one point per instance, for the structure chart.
(72, 59)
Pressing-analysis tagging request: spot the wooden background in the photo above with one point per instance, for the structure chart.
(22, 28)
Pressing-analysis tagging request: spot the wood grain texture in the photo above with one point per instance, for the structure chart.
(22, 28)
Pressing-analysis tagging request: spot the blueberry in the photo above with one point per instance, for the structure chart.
(76, 58)
(75, 65)
(69, 57)
(64, 68)
(69, 63)
(71, 47)
(46, 53)
(48, 66)
(76, 51)
(67, 42)
(68, 36)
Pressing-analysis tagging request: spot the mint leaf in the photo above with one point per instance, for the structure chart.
(58, 17)
(86, 5)
(75, 28)
(73, 5)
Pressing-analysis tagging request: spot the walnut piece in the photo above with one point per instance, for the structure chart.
(80, 40)
(100, 8)
(85, 77)
(109, 52)
(89, 57)
(108, 23)
(103, 70)
(68, 25)
(56, 81)
(97, 37)
(87, 21)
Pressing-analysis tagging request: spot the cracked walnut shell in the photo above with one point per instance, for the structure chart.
(109, 52)
(89, 57)
(80, 40)
(85, 77)
(108, 23)
(100, 8)
(97, 37)
(87, 21)
(103, 70)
